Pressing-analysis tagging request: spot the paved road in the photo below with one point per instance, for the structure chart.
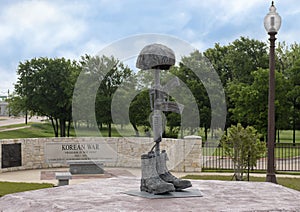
(4, 121)
(16, 128)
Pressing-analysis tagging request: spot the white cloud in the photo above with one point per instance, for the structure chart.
(91, 47)
(238, 13)
(8, 78)
(180, 19)
(200, 45)
(40, 26)
(290, 36)
(114, 6)
(64, 28)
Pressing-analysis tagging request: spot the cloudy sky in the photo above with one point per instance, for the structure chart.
(71, 28)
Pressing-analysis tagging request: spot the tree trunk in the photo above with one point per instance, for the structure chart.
(137, 134)
(62, 123)
(54, 127)
(205, 132)
(275, 138)
(26, 117)
(69, 126)
(238, 172)
(60, 127)
(294, 123)
(248, 170)
(109, 130)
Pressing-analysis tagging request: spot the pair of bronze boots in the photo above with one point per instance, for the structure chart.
(156, 178)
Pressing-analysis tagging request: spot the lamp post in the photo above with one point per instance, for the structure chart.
(272, 24)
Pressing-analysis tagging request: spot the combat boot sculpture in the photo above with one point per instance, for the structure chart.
(150, 181)
(164, 174)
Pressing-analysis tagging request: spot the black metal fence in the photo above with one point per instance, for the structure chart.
(287, 158)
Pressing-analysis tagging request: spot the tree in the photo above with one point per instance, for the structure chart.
(250, 102)
(287, 55)
(245, 56)
(140, 110)
(218, 56)
(294, 96)
(244, 147)
(46, 85)
(186, 72)
(106, 74)
(16, 105)
(174, 123)
(235, 62)
(289, 65)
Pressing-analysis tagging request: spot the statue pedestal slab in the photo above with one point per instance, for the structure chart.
(108, 195)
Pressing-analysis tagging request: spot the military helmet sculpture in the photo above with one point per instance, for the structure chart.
(155, 56)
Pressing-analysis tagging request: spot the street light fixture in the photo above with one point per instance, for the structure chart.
(272, 23)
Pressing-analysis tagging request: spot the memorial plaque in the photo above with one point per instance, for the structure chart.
(61, 152)
(11, 155)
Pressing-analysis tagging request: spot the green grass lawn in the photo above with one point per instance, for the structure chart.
(15, 126)
(286, 152)
(40, 130)
(12, 187)
(35, 130)
(293, 183)
(45, 130)
(286, 136)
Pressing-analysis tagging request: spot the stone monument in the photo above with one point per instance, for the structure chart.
(156, 177)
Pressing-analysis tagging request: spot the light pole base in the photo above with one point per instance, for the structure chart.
(271, 177)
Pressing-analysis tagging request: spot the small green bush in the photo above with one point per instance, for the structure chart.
(244, 147)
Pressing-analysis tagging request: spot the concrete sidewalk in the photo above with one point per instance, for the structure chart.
(5, 120)
(40, 175)
(47, 175)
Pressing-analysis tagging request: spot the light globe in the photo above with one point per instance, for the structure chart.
(272, 21)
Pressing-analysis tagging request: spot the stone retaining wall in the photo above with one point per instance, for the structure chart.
(184, 154)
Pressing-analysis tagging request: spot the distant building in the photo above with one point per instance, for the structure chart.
(3, 106)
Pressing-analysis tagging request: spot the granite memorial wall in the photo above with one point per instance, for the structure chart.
(34, 153)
